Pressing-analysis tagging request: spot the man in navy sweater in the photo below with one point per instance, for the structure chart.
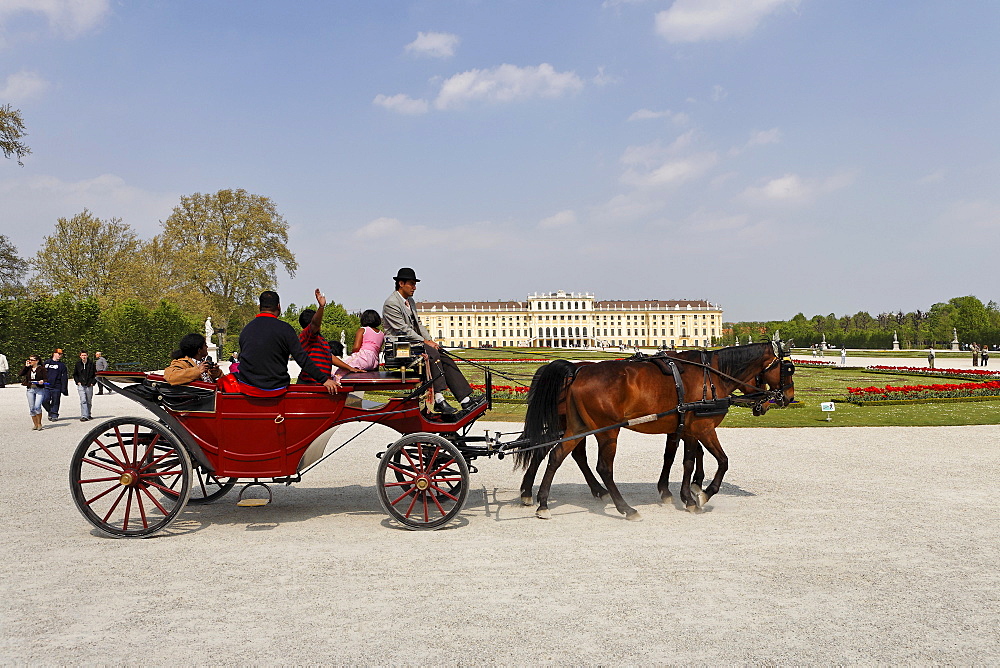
(265, 344)
(56, 384)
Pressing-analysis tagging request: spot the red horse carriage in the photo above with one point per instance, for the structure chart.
(132, 476)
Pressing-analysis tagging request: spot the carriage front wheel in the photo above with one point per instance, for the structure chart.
(423, 481)
(130, 477)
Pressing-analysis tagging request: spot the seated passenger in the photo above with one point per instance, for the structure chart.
(367, 343)
(317, 347)
(190, 363)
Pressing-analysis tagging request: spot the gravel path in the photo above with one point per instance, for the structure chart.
(845, 546)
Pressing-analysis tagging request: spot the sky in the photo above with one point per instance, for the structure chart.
(772, 156)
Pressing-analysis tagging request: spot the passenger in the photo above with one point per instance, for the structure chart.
(190, 364)
(317, 347)
(367, 343)
(337, 348)
(399, 313)
(265, 345)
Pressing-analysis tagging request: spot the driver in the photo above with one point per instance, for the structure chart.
(399, 319)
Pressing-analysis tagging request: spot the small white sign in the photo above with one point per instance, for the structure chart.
(827, 406)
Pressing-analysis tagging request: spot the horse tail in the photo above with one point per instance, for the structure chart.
(541, 421)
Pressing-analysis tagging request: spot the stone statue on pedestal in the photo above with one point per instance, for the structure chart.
(954, 340)
(895, 341)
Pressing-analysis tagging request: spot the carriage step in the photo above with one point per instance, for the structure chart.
(251, 502)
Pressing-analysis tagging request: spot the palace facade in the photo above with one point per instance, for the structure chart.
(572, 320)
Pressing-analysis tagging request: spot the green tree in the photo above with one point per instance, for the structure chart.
(11, 133)
(13, 269)
(89, 257)
(940, 323)
(970, 318)
(220, 251)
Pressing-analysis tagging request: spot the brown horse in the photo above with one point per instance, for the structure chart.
(568, 400)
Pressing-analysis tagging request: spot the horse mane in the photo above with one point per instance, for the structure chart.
(737, 360)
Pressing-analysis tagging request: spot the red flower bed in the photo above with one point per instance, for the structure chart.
(505, 391)
(802, 362)
(927, 371)
(936, 391)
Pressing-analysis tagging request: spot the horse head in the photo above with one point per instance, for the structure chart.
(777, 376)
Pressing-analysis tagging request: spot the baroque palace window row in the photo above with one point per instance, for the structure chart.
(573, 320)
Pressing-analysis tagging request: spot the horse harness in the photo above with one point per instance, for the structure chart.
(706, 407)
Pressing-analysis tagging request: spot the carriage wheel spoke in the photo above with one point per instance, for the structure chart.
(102, 465)
(155, 502)
(442, 492)
(403, 496)
(403, 471)
(110, 454)
(115, 504)
(412, 503)
(142, 510)
(107, 491)
(128, 509)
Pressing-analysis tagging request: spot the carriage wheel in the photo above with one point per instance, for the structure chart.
(130, 477)
(422, 481)
(205, 487)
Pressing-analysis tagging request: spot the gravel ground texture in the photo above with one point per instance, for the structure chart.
(833, 546)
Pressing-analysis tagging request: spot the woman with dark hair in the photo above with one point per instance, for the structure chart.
(189, 363)
(33, 378)
(367, 343)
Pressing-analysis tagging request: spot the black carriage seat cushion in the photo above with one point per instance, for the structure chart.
(180, 398)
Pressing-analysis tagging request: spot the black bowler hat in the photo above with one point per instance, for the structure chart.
(406, 274)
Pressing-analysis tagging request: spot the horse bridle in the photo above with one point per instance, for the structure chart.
(759, 395)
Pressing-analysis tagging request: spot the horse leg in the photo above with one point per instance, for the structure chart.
(711, 441)
(699, 465)
(688, 498)
(528, 481)
(580, 455)
(663, 484)
(556, 457)
(607, 444)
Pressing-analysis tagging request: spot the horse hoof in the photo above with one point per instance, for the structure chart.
(526, 500)
(543, 514)
(633, 516)
(666, 497)
(700, 498)
(695, 510)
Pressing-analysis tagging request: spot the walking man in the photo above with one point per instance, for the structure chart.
(4, 368)
(101, 363)
(56, 384)
(85, 375)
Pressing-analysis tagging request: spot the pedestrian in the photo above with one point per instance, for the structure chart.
(985, 355)
(843, 356)
(56, 384)
(101, 363)
(4, 368)
(33, 378)
(930, 357)
(85, 375)
(975, 353)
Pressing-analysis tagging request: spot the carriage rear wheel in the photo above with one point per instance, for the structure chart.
(130, 477)
(422, 481)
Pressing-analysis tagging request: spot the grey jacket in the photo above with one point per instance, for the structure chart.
(396, 321)
(102, 363)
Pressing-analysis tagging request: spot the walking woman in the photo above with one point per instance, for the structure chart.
(33, 378)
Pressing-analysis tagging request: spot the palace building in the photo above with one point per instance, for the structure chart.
(572, 320)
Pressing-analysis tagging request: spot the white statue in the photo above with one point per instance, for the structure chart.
(208, 329)
(343, 341)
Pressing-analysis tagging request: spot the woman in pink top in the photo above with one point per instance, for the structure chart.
(367, 344)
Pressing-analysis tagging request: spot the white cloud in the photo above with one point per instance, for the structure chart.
(761, 138)
(23, 86)
(433, 45)
(33, 203)
(679, 118)
(506, 83)
(933, 177)
(719, 93)
(69, 18)
(402, 103)
(474, 236)
(704, 20)
(793, 189)
(671, 172)
(561, 219)
(602, 78)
